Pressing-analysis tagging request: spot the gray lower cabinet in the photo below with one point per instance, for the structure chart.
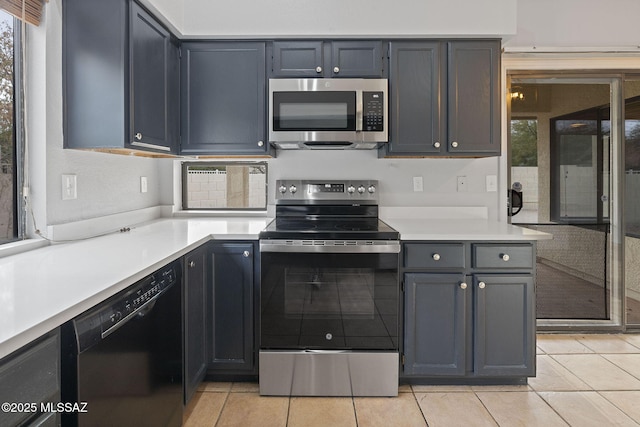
(231, 328)
(469, 310)
(31, 376)
(223, 98)
(445, 98)
(196, 268)
(327, 59)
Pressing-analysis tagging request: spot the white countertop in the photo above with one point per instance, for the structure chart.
(43, 288)
(462, 229)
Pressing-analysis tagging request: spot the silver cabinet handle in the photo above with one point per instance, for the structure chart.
(436, 144)
(318, 69)
(463, 286)
(482, 285)
(192, 264)
(454, 144)
(138, 136)
(246, 254)
(260, 143)
(436, 257)
(505, 257)
(336, 70)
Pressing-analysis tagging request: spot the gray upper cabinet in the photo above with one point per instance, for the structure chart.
(119, 77)
(154, 60)
(223, 98)
(444, 98)
(417, 123)
(473, 88)
(348, 58)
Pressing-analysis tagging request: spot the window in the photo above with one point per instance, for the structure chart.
(236, 186)
(8, 145)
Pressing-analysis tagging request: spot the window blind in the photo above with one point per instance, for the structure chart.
(26, 10)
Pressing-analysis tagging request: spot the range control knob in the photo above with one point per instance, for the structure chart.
(361, 189)
(372, 189)
(351, 189)
(293, 189)
(282, 189)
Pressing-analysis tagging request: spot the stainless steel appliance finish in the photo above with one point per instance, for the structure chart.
(124, 356)
(328, 113)
(329, 293)
(328, 373)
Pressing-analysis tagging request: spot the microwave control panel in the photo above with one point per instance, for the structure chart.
(372, 111)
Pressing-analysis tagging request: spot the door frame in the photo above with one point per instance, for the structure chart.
(602, 66)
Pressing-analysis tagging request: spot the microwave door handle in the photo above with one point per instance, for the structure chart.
(359, 111)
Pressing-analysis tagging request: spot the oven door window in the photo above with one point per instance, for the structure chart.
(329, 301)
(314, 111)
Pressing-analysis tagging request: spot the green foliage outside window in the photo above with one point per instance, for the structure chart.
(524, 142)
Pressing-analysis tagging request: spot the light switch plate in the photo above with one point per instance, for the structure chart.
(418, 184)
(492, 183)
(69, 187)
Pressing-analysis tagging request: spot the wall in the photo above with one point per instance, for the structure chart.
(107, 183)
(576, 24)
(245, 18)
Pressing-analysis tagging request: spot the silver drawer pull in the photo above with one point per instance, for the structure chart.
(192, 264)
(482, 285)
(463, 286)
(436, 257)
(246, 254)
(505, 257)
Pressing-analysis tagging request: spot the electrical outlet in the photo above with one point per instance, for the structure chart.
(418, 183)
(462, 184)
(69, 187)
(492, 183)
(143, 184)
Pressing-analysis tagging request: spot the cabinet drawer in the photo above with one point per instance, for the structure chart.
(434, 255)
(502, 256)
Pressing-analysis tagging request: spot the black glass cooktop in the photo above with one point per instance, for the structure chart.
(333, 229)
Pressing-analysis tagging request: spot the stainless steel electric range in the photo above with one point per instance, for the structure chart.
(329, 293)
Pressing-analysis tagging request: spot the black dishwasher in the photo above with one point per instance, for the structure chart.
(122, 360)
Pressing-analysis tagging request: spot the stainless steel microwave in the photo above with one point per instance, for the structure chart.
(328, 113)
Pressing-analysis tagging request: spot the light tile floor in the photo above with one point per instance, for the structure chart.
(582, 380)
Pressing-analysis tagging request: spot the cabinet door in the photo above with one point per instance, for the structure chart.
(297, 59)
(417, 103)
(435, 324)
(357, 59)
(31, 375)
(195, 319)
(95, 63)
(504, 325)
(231, 335)
(151, 59)
(474, 97)
(223, 98)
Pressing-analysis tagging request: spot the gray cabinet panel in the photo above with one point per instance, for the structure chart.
(231, 300)
(504, 325)
(356, 59)
(223, 98)
(315, 58)
(434, 255)
(435, 324)
(416, 102)
(152, 58)
(297, 59)
(474, 97)
(95, 57)
(503, 256)
(195, 319)
(31, 376)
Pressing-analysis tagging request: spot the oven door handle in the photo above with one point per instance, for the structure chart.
(331, 246)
